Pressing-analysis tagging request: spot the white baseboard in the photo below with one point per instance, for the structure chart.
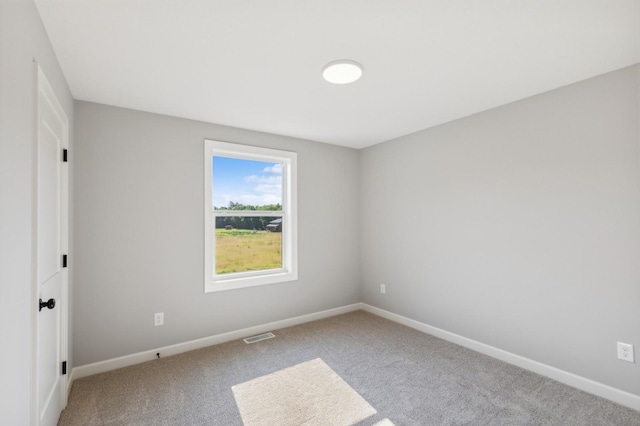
(613, 394)
(137, 358)
(616, 395)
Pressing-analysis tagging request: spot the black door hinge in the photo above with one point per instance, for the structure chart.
(64, 260)
(64, 155)
(64, 368)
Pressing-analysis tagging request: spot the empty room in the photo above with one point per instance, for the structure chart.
(278, 212)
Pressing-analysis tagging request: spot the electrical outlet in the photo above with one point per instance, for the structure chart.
(383, 289)
(625, 352)
(158, 318)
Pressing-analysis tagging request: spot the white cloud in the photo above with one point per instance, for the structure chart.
(270, 180)
(276, 169)
(263, 195)
(259, 200)
(266, 188)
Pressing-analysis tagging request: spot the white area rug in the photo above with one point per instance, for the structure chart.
(310, 393)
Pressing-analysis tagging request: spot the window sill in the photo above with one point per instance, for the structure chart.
(236, 282)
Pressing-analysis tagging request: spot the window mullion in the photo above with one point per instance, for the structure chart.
(251, 213)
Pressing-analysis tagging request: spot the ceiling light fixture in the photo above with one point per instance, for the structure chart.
(344, 71)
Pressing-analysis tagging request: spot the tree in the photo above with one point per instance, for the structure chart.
(246, 222)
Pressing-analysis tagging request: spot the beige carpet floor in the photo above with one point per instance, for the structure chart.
(408, 377)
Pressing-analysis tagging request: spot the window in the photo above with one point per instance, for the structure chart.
(250, 216)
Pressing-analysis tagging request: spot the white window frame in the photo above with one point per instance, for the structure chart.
(289, 271)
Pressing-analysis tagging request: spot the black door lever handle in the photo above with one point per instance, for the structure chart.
(48, 304)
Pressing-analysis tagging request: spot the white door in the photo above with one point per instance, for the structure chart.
(50, 232)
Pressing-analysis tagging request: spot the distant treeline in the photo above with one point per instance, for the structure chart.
(246, 222)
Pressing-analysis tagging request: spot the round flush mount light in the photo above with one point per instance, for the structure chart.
(344, 71)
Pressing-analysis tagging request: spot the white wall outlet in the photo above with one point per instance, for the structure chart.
(158, 318)
(625, 352)
(383, 289)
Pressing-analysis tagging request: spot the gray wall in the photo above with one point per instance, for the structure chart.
(518, 227)
(22, 39)
(139, 234)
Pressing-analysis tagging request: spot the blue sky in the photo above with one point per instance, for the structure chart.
(245, 181)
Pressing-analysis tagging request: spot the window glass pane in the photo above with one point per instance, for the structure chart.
(246, 243)
(246, 184)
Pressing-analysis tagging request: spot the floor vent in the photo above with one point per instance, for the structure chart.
(259, 337)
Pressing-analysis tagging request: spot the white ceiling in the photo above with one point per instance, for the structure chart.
(256, 64)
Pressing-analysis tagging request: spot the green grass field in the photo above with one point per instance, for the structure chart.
(241, 250)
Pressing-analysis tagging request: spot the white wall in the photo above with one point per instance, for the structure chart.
(139, 234)
(518, 227)
(22, 39)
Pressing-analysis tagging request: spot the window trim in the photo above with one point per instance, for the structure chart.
(289, 270)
